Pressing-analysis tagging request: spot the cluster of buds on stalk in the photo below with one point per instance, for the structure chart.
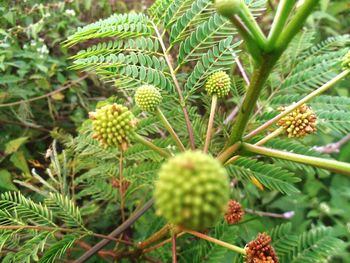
(113, 125)
(234, 212)
(300, 122)
(148, 98)
(218, 84)
(260, 250)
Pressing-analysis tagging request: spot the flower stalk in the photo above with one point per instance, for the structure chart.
(170, 129)
(217, 241)
(214, 103)
(282, 14)
(296, 105)
(331, 165)
(153, 147)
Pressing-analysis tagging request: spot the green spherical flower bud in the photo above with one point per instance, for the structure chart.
(346, 61)
(228, 7)
(113, 125)
(192, 191)
(148, 98)
(218, 83)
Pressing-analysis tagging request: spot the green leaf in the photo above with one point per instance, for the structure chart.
(6, 181)
(13, 146)
(19, 160)
(271, 176)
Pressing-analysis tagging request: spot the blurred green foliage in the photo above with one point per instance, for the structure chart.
(34, 65)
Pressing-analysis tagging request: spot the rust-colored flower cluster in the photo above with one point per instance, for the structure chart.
(300, 122)
(234, 212)
(260, 250)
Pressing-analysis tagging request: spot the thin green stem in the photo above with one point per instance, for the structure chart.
(264, 140)
(217, 241)
(66, 230)
(282, 14)
(170, 129)
(295, 24)
(292, 107)
(270, 136)
(155, 237)
(150, 145)
(214, 102)
(250, 22)
(177, 87)
(331, 165)
(228, 152)
(252, 46)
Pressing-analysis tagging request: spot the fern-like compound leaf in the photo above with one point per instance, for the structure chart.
(269, 175)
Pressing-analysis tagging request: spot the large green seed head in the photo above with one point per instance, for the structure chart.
(218, 83)
(346, 61)
(192, 191)
(148, 98)
(113, 125)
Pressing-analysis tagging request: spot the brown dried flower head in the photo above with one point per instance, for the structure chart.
(300, 122)
(234, 212)
(260, 250)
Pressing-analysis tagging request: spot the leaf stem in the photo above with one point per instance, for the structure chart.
(332, 165)
(227, 153)
(155, 237)
(67, 230)
(295, 24)
(170, 129)
(252, 46)
(150, 145)
(214, 102)
(252, 26)
(270, 136)
(177, 87)
(292, 107)
(216, 241)
(282, 14)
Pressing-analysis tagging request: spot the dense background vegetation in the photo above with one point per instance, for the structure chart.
(43, 105)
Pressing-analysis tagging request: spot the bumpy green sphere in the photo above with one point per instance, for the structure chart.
(346, 61)
(192, 191)
(148, 98)
(218, 84)
(113, 125)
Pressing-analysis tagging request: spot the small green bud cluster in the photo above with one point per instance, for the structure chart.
(192, 191)
(346, 61)
(113, 125)
(218, 83)
(300, 122)
(148, 98)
